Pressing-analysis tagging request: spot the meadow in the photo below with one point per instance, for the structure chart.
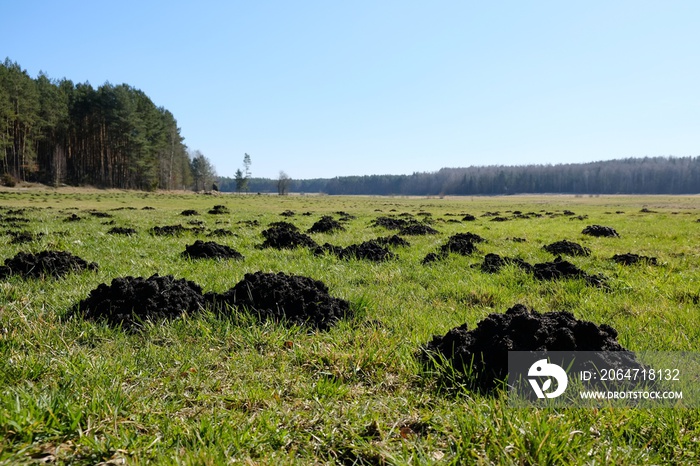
(204, 389)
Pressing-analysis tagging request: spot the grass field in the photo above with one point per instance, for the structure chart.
(208, 390)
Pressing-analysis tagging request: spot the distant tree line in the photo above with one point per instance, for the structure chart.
(56, 132)
(648, 175)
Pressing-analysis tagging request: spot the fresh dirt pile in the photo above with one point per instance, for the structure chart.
(210, 250)
(221, 232)
(519, 329)
(284, 235)
(22, 237)
(291, 299)
(288, 213)
(416, 229)
(45, 264)
(598, 230)
(468, 218)
(326, 224)
(493, 263)
(189, 213)
(560, 268)
(128, 300)
(566, 247)
(168, 230)
(462, 243)
(219, 210)
(72, 218)
(631, 259)
(369, 250)
(122, 231)
(98, 214)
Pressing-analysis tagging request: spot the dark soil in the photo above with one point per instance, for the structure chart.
(566, 247)
(291, 299)
(219, 210)
(432, 257)
(393, 240)
(189, 213)
(462, 243)
(288, 213)
(326, 224)
(168, 230)
(417, 229)
(519, 329)
(369, 250)
(122, 231)
(493, 263)
(73, 218)
(44, 264)
(560, 268)
(392, 223)
(468, 218)
(631, 259)
(597, 230)
(22, 237)
(210, 250)
(99, 214)
(286, 236)
(128, 301)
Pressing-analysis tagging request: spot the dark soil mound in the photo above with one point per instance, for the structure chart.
(462, 243)
(44, 264)
(493, 263)
(129, 301)
(630, 259)
(392, 223)
(369, 250)
(286, 237)
(210, 250)
(288, 213)
(326, 224)
(567, 247)
(221, 232)
(560, 268)
(597, 230)
(417, 229)
(393, 240)
(189, 213)
(22, 237)
(292, 299)
(219, 210)
(122, 231)
(168, 230)
(286, 225)
(432, 257)
(469, 218)
(519, 329)
(72, 218)
(98, 214)
(499, 219)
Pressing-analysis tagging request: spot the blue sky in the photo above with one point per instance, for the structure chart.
(331, 88)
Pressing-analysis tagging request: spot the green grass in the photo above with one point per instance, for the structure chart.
(206, 390)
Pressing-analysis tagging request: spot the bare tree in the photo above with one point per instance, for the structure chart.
(283, 183)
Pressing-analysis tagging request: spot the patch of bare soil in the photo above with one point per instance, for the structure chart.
(210, 250)
(598, 230)
(283, 235)
(44, 264)
(479, 357)
(291, 299)
(129, 301)
(566, 247)
(122, 231)
(631, 259)
(368, 250)
(168, 230)
(326, 224)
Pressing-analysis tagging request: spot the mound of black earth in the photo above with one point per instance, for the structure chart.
(560, 268)
(631, 259)
(598, 230)
(189, 213)
(478, 358)
(129, 301)
(468, 218)
(219, 210)
(45, 264)
(393, 240)
(326, 224)
(461, 243)
(286, 237)
(290, 299)
(22, 237)
(72, 218)
(168, 230)
(122, 231)
(210, 250)
(288, 213)
(392, 223)
(417, 229)
(369, 250)
(432, 257)
(493, 263)
(568, 248)
(221, 232)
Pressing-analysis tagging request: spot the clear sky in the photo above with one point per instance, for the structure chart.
(331, 88)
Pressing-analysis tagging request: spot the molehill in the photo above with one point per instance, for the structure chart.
(45, 264)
